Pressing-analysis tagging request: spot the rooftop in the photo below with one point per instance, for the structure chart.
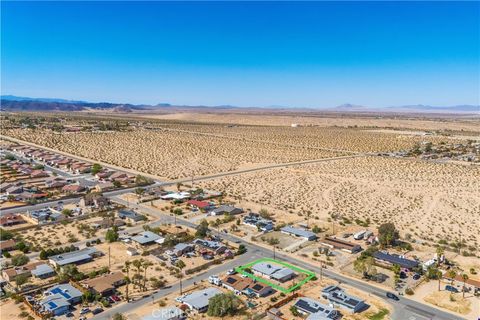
(298, 232)
(199, 299)
(146, 237)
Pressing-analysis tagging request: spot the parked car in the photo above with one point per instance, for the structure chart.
(207, 257)
(85, 310)
(115, 298)
(231, 271)
(69, 315)
(416, 276)
(392, 296)
(97, 311)
(451, 288)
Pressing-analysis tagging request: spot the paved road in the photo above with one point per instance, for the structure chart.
(129, 307)
(404, 309)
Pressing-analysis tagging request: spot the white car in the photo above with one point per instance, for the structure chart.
(231, 272)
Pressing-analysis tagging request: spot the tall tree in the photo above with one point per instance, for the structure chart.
(126, 269)
(387, 234)
(465, 278)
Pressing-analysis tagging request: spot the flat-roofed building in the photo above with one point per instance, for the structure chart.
(299, 233)
(199, 300)
(315, 309)
(343, 245)
(386, 258)
(338, 297)
(75, 257)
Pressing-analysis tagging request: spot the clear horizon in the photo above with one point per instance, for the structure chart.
(246, 54)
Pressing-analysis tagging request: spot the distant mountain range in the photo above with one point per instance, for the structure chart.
(14, 103)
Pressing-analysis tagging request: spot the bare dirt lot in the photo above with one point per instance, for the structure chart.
(430, 201)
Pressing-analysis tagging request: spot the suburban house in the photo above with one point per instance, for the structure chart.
(338, 297)
(38, 174)
(55, 182)
(11, 273)
(105, 186)
(176, 196)
(315, 310)
(214, 246)
(299, 232)
(58, 299)
(254, 220)
(130, 215)
(181, 248)
(226, 209)
(95, 200)
(334, 243)
(273, 271)
(108, 223)
(105, 285)
(385, 258)
(14, 190)
(148, 237)
(7, 245)
(103, 174)
(117, 175)
(169, 313)
(201, 205)
(246, 286)
(198, 300)
(73, 188)
(43, 271)
(11, 219)
(74, 257)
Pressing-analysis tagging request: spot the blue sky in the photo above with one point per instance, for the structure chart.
(308, 54)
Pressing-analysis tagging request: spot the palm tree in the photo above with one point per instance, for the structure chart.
(439, 276)
(138, 265)
(127, 278)
(452, 274)
(146, 264)
(465, 278)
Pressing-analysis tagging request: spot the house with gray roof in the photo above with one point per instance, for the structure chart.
(198, 300)
(338, 297)
(147, 237)
(75, 257)
(130, 215)
(272, 271)
(315, 310)
(181, 248)
(299, 232)
(43, 271)
(58, 299)
(226, 209)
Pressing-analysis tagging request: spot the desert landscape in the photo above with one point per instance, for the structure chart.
(429, 201)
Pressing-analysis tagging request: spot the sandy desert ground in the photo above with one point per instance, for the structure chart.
(335, 119)
(430, 201)
(427, 200)
(170, 154)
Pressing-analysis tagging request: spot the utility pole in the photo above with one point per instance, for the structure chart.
(192, 182)
(109, 264)
(273, 252)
